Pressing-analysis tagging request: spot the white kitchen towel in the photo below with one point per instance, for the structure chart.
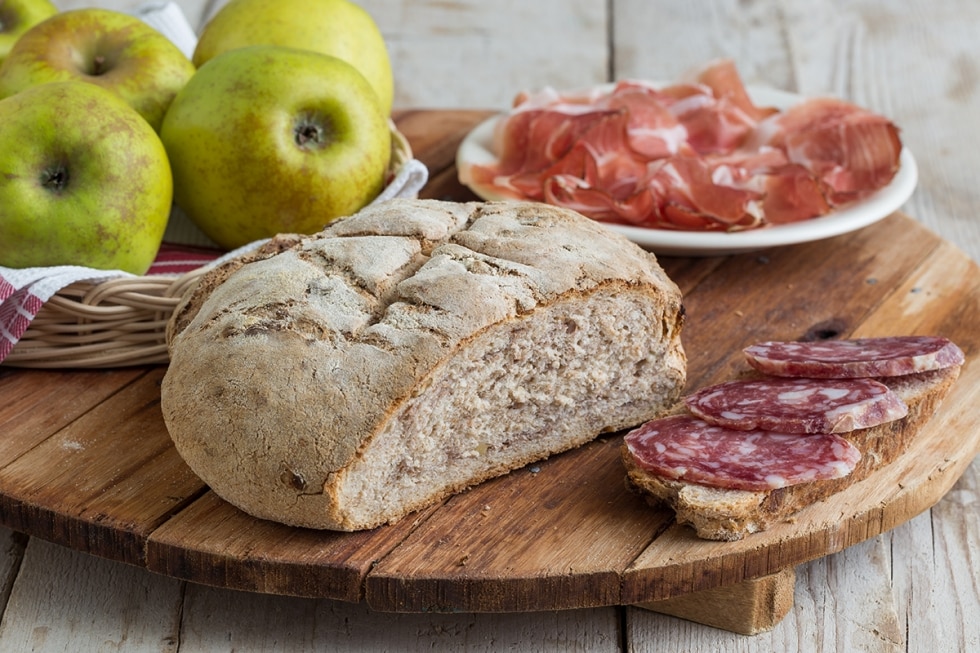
(23, 291)
(168, 18)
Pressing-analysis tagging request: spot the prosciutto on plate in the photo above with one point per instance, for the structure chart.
(698, 155)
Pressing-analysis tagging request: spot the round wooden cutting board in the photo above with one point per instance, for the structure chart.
(86, 460)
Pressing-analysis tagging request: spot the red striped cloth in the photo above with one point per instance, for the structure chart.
(16, 312)
(178, 259)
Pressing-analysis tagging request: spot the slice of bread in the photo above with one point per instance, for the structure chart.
(723, 514)
(345, 379)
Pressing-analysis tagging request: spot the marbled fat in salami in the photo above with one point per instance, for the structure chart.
(861, 357)
(686, 448)
(797, 405)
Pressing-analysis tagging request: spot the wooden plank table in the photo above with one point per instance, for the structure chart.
(87, 463)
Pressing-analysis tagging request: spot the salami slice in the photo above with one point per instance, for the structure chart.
(683, 447)
(861, 357)
(797, 405)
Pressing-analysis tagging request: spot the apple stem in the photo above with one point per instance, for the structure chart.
(55, 179)
(308, 134)
(312, 132)
(98, 64)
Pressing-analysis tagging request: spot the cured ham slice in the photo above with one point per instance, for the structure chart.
(851, 151)
(683, 447)
(860, 357)
(600, 176)
(698, 155)
(691, 196)
(531, 141)
(652, 130)
(724, 81)
(787, 192)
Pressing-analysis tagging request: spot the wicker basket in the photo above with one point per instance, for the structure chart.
(122, 321)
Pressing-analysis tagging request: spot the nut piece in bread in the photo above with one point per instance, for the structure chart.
(413, 350)
(730, 515)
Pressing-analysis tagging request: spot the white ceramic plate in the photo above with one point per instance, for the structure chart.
(476, 149)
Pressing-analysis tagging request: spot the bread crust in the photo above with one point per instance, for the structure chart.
(730, 515)
(325, 383)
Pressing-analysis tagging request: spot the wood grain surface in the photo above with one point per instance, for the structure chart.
(86, 461)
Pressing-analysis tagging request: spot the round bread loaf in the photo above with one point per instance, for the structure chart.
(345, 379)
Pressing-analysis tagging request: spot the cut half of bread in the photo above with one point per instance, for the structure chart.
(345, 379)
(726, 514)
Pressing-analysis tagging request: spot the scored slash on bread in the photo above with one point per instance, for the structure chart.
(718, 513)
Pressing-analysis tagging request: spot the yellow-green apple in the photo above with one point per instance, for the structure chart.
(18, 16)
(84, 180)
(336, 27)
(267, 139)
(114, 50)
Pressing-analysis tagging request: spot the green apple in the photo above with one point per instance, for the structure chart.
(18, 16)
(116, 51)
(336, 27)
(84, 180)
(267, 139)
